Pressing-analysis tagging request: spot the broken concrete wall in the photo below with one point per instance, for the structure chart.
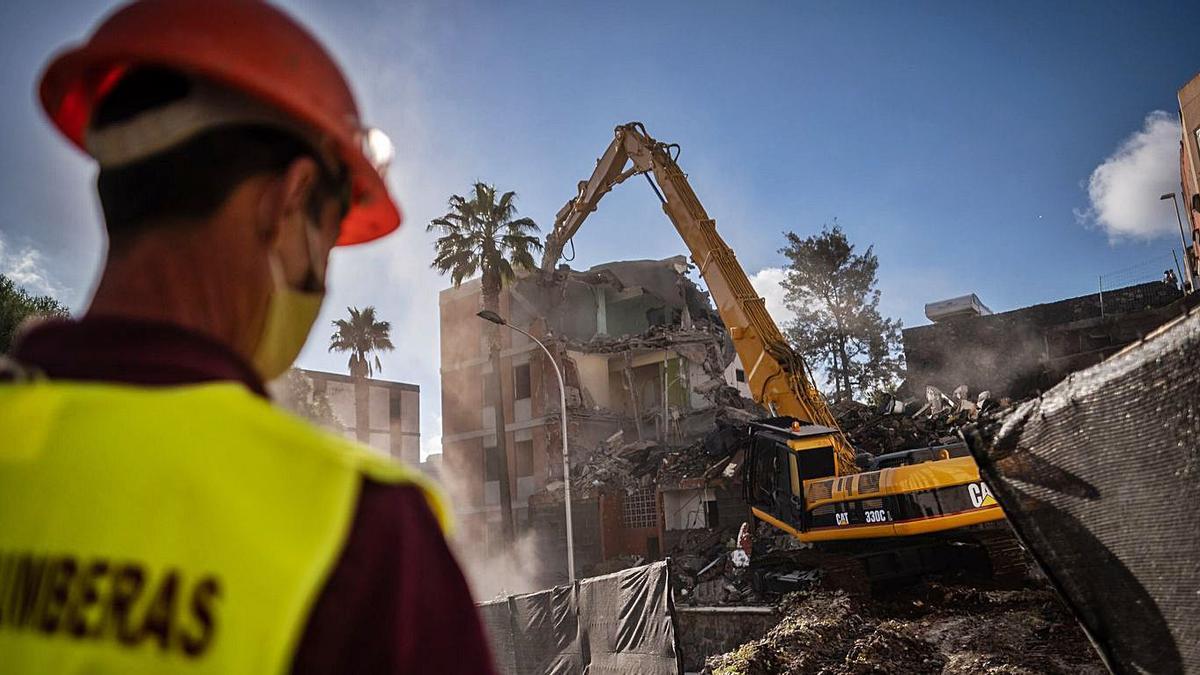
(593, 378)
(686, 509)
(616, 299)
(708, 507)
(549, 520)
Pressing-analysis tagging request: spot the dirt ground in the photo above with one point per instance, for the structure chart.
(932, 627)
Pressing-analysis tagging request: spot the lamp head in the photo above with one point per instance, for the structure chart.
(489, 315)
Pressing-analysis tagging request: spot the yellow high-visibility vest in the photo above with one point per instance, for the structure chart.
(171, 529)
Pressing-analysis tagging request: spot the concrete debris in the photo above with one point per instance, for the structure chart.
(787, 582)
(648, 463)
(883, 430)
(934, 627)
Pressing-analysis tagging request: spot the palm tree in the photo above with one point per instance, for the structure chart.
(481, 235)
(363, 336)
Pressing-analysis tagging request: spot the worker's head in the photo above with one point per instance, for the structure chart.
(253, 189)
(228, 138)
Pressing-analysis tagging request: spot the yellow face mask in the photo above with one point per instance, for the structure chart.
(290, 317)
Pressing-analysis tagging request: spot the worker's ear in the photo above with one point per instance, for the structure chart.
(283, 202)
(297, 186)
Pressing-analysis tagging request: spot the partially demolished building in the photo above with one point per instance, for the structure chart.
(648, 369)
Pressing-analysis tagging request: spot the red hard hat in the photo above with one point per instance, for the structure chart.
(247, 45)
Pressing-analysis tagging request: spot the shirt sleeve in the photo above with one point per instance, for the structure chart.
(397, 601)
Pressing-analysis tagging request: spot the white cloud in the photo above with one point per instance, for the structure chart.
(769, 284)
(1124, 190)
(26, 267)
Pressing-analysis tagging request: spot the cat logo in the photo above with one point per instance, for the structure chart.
(981, 495)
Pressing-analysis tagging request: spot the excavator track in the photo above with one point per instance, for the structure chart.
(1008, 558)
(987, 552)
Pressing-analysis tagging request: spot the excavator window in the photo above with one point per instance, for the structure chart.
(765, 458)
(816, 463)
(794, 474)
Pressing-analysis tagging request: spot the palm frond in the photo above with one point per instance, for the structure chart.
(362, 335)
(480, 235)
(523, 226)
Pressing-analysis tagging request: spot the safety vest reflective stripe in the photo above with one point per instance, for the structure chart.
(157, 529)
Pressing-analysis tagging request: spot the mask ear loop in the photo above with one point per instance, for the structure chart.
(314, 280)
(314, 276)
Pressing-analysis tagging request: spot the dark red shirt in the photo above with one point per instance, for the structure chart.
(396, 602)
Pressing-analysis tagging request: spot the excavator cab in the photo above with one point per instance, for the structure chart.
(781, 454)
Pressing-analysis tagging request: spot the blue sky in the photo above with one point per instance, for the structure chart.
(1007, 149)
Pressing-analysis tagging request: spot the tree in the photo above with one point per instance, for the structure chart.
(481, 235)
(831, 289)
(17, 305)
(363, 337)
(295, 392)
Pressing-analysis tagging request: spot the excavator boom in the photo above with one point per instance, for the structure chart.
(801, 478)
(775, 372)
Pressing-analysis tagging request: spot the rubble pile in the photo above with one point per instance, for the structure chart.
(631, 466)
(901, 425)
(625, 467)
(870, 431)
(935, 627)
(713, 568)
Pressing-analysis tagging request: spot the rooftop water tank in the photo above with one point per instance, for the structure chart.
(964, 305)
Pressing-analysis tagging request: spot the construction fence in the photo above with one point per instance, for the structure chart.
(618, 623)
(1099, 478)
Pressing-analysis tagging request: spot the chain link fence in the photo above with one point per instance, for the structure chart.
(1132, 288)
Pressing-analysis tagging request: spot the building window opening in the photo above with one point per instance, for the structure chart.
(739, 375)
(491, 464)
(524, 453)
(394, 405)
(639, 509)
(489, 389)
(522, 385)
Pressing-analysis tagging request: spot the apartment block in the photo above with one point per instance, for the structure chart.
(393, 412)
(646, 362)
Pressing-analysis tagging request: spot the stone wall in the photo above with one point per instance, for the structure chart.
(709, 631)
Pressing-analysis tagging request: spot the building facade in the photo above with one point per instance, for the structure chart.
(393, 412)
(1189, 165)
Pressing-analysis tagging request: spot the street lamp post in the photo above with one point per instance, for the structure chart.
(495, 318)
(1187, 259)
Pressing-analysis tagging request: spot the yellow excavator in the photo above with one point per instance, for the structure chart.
(800, 473)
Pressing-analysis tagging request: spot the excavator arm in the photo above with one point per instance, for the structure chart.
(777, 375)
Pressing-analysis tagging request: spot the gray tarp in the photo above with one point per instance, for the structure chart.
(1100, 477)
(617, 623)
